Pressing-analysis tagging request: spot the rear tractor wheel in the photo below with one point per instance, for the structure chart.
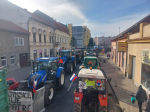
(69, 68)
(77, 107)
(61, 80)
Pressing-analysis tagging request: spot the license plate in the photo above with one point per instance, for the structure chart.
(76, 98)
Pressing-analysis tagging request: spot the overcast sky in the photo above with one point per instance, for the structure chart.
(102, 17)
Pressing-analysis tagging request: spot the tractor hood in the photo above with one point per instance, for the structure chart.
(39, 76)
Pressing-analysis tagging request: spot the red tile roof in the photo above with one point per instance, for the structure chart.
(9, 26)
(61, 27)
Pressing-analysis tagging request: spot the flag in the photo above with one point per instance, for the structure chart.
(73, 77)
(34, 86)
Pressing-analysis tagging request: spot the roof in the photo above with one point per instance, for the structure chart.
(94, 73)
(9, 26)
(61, 27)
(90, 57)
(47, 58)
(66, 51)
(130, 28)
(45, 17)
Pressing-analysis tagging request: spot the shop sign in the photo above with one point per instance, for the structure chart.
(146, 57)
(122, 46)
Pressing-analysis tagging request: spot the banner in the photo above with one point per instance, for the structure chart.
(20, 101)
(122, 46)
(146, 57)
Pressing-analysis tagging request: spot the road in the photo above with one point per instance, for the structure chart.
(63, 100)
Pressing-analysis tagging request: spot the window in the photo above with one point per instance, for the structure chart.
(10, 82)
(18, 41)
(60, 39)
(52, 39)
(65, 40)
(55, 39)
(45, 54)
(40, 38)
(4, 61)
(13, 59)
(49, 39)
(45, 38)
(34, 37)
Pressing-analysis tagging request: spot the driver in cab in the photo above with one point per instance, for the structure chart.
(90, 82)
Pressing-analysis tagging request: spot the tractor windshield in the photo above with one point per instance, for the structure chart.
(93, 62)
(91, 83)
(65, 54)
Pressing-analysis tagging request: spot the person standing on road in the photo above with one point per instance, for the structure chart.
(148, 104)
(141, 96)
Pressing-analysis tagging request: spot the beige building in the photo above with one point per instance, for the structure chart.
(137, 56)
(41, 38)
(62, 40)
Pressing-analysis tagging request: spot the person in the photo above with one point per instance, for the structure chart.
(90, 82)
(141, 97)
(148, 104)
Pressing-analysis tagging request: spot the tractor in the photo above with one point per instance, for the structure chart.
(90, 61)
(92, 52)
(46, 73)
(69, 61)
(90, 92)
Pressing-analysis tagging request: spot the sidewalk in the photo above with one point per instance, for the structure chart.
(124, 87)
(20, 74)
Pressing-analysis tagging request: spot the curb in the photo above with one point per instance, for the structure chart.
(111, 87)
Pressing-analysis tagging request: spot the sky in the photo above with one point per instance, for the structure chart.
(102, 17)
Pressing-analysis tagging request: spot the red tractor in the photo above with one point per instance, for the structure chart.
(90, 93)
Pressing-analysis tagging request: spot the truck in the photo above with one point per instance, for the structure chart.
(47, 73)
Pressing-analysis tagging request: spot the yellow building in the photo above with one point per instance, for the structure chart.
(41, 38)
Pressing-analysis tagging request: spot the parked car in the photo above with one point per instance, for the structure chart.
(12, 83)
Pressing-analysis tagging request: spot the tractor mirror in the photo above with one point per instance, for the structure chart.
(109, 79)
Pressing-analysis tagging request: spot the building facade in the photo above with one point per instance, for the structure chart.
(103, 41)
(81, 34)
(137, 56)
(14, 46)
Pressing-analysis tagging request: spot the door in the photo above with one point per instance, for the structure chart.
(23, 59)
(133, 67)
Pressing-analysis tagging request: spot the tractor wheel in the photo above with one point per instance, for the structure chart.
(49, 93)
(61, 80)
(69, 68)
(77, 107)
(74, 64)
(102, 108)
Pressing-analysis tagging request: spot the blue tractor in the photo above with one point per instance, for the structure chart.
(70, 62)
(46, 73)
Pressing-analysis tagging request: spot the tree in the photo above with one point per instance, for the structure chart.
(91, 43)
(73, 42)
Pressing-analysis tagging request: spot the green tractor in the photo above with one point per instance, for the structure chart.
(90, 61)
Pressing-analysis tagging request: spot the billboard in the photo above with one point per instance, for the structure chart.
(122, 46)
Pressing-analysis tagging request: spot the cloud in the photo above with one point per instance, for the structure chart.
(68, 11)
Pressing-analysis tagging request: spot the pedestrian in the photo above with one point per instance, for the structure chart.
(148, 104)
(141, 97)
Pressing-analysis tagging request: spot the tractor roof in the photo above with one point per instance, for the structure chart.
(90, 57)
(46, 58)
(94, 73)
(66, 51)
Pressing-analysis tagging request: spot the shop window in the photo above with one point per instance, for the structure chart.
(4, 61)
(45, 53)
(40, 38)
(13, 59)
(40, 54)
(34, 37)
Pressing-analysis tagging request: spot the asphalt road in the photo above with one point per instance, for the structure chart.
(63, 99)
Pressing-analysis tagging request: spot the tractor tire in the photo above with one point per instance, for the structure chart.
(74, 64)
(102, 108)
(61, 80)
(77, 107)
(49, 93)
(69, 68)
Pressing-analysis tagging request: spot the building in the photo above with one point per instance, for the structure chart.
(14, 46)
(138, 52)
(103, 41)
(81, 34)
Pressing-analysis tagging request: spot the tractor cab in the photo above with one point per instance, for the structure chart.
(90, 93)
(90, 61)
(77, 54)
